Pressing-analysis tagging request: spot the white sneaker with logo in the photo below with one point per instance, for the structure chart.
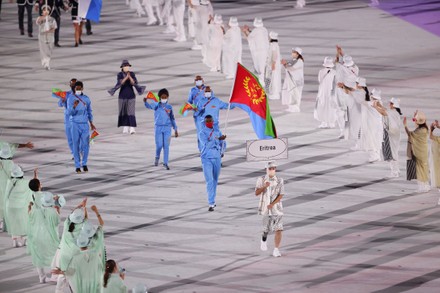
(263, 245)
(276, 252)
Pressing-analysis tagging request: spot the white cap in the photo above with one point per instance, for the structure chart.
(77, 216)
(328, 62)
(88, 229)
(140, 288)
(361, 81)
(82, 240)
(396, 102)
(273, 35)
(258, 22)
(350, 81)
(297, 50)
(5, 152)
(47, 199)
(16, 171)
(233, 21)
(218, 19)
(271, 164)
(375, 93)
(348, 61)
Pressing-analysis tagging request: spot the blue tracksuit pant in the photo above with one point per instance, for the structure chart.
(68, 130)
(163, 138)
(211, 170)
(80, 139)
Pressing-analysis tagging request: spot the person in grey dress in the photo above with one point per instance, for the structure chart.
(47, 26)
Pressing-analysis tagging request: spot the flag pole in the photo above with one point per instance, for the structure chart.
(229, 103)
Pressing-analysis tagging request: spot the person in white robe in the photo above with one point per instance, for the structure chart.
(203, 13)
(153, 7)
(272, 74)
(372, 132)
(325, 107)
(215, 43)
(191, 16)
(258, 40)
(179, 14)
(345, 66)
(393, 124)
(47, 26)
(291, 92)
(232, 49)
(167, 16)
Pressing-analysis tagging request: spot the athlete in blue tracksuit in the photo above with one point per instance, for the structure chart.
(163, 121)
(195, 95)
(63, 103)
(210, 105)
(212, 142)
(80, 110)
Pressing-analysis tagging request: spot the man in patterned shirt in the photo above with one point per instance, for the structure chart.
(270, 188)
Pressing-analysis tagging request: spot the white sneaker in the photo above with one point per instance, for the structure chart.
(43, 280)
(125, 129)
(276, 252)
(169, 30)
(14, 243)
(132, 130)
(24, 241)
(152, 21)
(196, 47)
(263, 245)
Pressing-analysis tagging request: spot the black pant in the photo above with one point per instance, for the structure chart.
(21, 9)
(88, 26)
(57, 31)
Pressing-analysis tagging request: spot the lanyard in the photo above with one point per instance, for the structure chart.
(80, 100)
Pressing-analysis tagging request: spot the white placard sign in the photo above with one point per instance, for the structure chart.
(266, 149)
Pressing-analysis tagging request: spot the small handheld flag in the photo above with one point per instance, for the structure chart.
(152, 96)
(93, 136)
(187, 107)
(58, 93)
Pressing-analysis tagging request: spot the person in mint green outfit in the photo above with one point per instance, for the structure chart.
(85, 269)
(7, 151)
(114, 278)
(43, 238)
(68, 248)
(17, 198)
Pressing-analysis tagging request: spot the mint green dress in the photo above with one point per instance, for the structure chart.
(17, 198)
(68, 247)
(85, 271)
(5, 175)
(43, 238)
(115, 285)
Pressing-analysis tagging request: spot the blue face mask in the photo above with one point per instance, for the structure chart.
(199, 82)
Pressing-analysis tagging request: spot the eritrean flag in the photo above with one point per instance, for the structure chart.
(249, 95)
(152, 96)
(57, 93)
(93, 135)
(187, 107)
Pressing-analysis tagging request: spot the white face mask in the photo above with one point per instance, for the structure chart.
(207, 95)
(78, 92)
(199, 82)
(271, 173)
(126, 68)
(164, 101)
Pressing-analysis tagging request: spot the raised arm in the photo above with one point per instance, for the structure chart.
(98, 215)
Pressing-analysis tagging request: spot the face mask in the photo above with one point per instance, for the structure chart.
(209, 124)
(199, 82)
(126, 68)
(164, 101)
(207, 95)
(78, 92)
(271, 173)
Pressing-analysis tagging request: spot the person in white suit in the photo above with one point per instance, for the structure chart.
(152, 7)
(179, 14)
(232, 48)
(258, 40)
(273, 68)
